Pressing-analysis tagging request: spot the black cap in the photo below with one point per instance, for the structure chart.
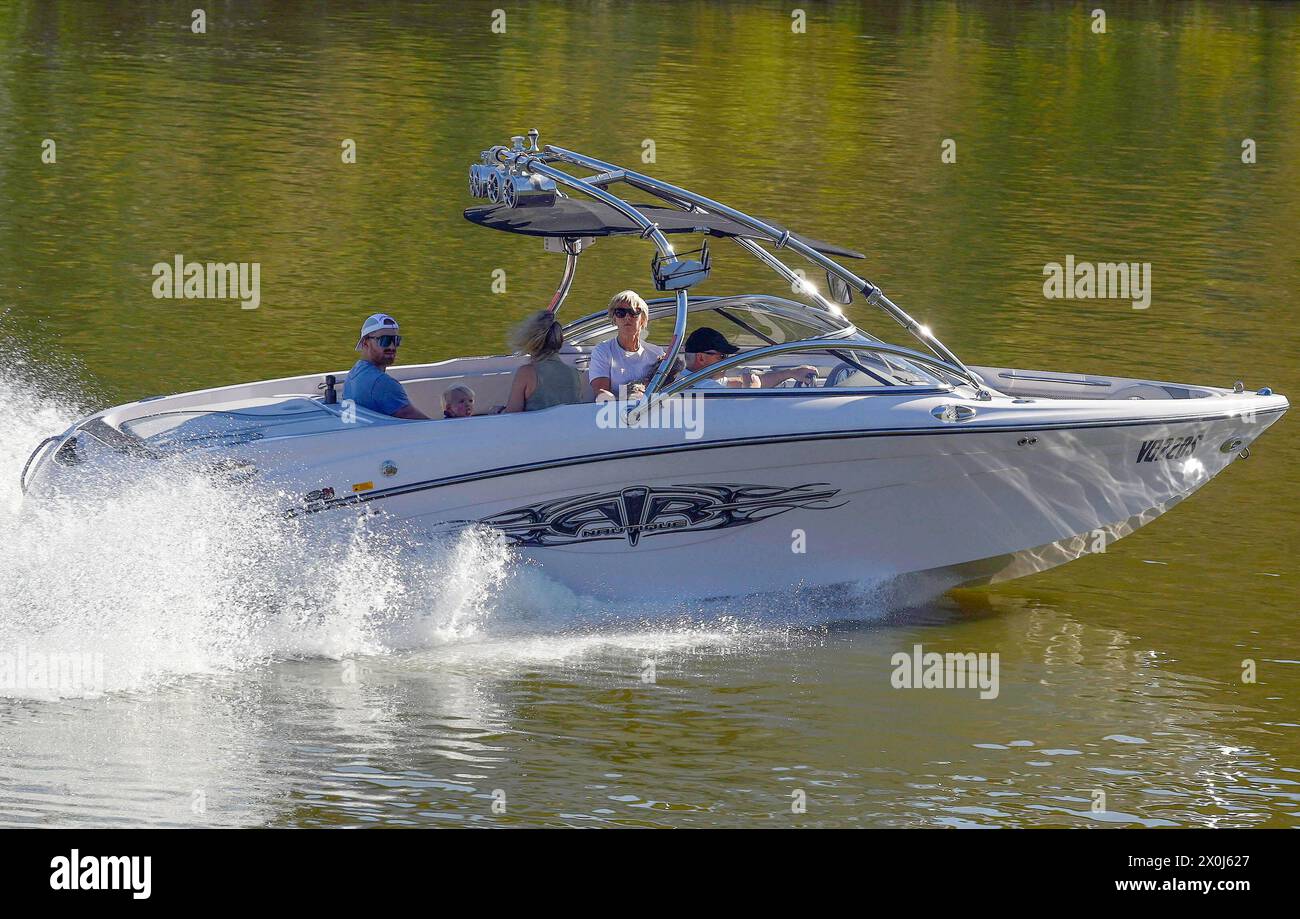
(706, 339)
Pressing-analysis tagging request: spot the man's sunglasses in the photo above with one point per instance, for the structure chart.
(387, 341)
(622, 312)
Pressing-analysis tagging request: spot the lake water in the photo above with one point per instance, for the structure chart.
(250, 684)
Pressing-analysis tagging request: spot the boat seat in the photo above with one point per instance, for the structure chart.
(491, 388)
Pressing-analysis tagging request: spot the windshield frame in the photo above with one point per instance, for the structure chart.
(598, 323)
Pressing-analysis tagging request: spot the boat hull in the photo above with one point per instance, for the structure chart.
(766, 492)
(945, 507)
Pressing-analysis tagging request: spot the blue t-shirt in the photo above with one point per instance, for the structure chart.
(369, 387)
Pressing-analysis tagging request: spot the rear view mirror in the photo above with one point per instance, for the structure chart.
(840, 290)
(688, 269)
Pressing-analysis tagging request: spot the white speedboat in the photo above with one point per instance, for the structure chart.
(898, 463)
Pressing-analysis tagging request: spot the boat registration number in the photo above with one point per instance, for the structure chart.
(1169, 448)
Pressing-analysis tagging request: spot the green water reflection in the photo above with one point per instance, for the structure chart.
(1123, 146)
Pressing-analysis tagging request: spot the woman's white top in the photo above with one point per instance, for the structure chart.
(608, 359)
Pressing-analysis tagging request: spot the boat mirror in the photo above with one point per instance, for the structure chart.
(840, 290)
(687, 270)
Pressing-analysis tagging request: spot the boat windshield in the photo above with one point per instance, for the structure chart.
(752, 322)
(855, 369)
(747, 322)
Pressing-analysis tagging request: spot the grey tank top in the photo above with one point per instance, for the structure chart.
(557, 384)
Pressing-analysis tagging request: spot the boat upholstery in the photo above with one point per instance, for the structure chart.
(491, 388)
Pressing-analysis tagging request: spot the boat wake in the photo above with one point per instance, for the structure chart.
(182, 574)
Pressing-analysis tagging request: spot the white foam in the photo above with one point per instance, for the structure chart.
(177, 574)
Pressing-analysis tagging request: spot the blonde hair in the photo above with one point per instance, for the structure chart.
(453, 390)
(628, 298)
(539, 336)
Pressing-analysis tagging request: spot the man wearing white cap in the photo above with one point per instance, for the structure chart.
(367, 384)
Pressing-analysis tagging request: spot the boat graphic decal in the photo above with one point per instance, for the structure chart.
(1170, 448)
(642, 511)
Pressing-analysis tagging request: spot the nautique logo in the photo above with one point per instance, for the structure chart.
(641, 511)
(103, 872)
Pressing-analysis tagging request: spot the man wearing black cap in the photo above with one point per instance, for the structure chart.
(706, 346)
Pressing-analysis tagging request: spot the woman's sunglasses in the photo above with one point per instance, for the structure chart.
(387, 341)
(622, 312)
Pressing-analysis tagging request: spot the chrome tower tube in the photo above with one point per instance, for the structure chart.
(782, 238)
(649, 230)
(786, 272)
(571, 253)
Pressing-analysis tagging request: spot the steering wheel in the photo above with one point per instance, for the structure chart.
(838, 374)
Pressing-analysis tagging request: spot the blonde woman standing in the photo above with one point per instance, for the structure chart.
(545, 380)
(625, 359)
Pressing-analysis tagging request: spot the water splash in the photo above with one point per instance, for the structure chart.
(177, 575)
